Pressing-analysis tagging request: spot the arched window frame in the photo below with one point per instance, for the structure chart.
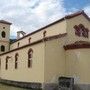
(81, 31)
(3, 34)
(77, 30)
(85, 31)
(16, 60)
(29, 40)
(18, 44)
(6, 66)
(30, 56)
(44, 34)
(2, 48)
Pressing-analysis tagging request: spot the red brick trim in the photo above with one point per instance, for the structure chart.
(77, 46)
(36, 42)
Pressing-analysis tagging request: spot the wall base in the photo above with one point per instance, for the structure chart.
(29, 85)
(40, 86)
(50, 86)
(82, 87)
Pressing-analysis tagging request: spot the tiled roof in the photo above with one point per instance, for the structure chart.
(5, 22)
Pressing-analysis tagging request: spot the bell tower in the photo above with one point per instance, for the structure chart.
(4, 36)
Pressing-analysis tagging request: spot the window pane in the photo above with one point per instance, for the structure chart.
(3, 34)
(2, 48)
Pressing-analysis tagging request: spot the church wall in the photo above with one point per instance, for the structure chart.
(54, 60)
(78, 64)
(23, 73)
(71, 31)
(56, 29)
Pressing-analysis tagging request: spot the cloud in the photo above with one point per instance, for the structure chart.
(87, 10)
(28, 15)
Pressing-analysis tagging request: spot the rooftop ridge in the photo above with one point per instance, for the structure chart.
(61, 19)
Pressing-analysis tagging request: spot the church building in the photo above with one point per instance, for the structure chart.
(38, 59)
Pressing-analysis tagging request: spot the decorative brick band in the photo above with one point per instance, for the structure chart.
(77, 46)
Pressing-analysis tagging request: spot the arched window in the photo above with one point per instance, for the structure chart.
(30, 55)
(6, 66)
(77, 30)
(18, 44)
(3, 34)
(29, 40)
(81, 30)
(44, 34)
(2, 48)
(16, 60)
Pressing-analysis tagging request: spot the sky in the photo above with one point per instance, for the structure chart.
(30, 15)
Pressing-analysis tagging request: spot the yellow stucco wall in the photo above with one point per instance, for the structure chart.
(71, 32)
(78, 65)
(48, 63)
(56, 29)
(77, 61)
(23, 73)
(54, 60)
(50, 60)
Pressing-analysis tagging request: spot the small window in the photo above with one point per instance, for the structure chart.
(16, 60)
(29, 40)
(3, 34)
(30, 55)
(6, 66)
(3, 27)
(18, 44)
(2, 48)
(44, 34)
